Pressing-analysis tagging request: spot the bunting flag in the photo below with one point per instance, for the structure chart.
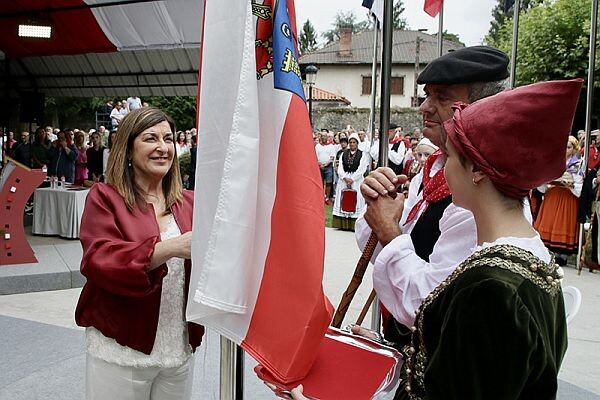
(376, 7)
(433, 7)
(508, 4)
(258, 238)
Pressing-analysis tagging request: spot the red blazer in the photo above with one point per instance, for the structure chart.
(121, 298)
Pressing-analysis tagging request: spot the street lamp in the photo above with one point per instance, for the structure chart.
(311, 78)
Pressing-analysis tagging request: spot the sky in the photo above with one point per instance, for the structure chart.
(469, 19)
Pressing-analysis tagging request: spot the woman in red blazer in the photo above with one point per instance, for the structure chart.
(136, 238)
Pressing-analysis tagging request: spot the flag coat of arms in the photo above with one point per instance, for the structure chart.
(258, 236)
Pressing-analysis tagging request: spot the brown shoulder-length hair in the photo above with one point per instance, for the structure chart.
(122, 177)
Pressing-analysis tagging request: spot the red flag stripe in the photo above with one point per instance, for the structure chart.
(433, 7)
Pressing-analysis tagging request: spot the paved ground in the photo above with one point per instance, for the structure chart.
(43, 351)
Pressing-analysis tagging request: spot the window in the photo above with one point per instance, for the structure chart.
(397, 85)
(366, 85)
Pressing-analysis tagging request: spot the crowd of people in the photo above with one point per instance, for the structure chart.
(345, 157)
(81, 157)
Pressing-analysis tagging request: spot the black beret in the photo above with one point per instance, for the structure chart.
(393, 125)
(466, 65)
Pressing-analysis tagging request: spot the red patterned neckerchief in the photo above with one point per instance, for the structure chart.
(434, 188)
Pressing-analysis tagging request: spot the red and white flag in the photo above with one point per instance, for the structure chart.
(433, 7)
(258, 236)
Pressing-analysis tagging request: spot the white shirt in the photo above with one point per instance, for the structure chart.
(325, 153)
(397, 156)
(116, 116)
(134, 103)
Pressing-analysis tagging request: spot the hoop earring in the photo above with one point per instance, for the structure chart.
(475, 183)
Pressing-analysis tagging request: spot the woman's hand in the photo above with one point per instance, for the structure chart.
(180, 246)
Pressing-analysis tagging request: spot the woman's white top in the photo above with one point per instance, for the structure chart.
(171, 346)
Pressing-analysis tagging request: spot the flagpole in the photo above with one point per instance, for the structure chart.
(373, 78)
(515, 39)
(384, 114)
(232, 371)
(440, 38)
(588, 112)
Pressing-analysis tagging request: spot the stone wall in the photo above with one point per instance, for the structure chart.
(338, 118)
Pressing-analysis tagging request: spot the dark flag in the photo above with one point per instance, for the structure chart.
(508, 4)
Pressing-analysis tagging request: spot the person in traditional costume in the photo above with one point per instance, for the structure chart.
(349, 203)
(422, 240)
(557, 218)
(589, 210)
(421, 153)
(496, 327)
(136, 239)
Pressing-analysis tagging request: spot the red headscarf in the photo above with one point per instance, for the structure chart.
(530, 124)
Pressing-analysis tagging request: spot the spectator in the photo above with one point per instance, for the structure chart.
(40, 147)
(125, 106)
(325, 156)
(181, 145)
(9, 143)
(81, 170)
(422, 152)
(94, 158)
(192, 168)
(133, 103)
(349, 203)
(61, 156)
(397, 150)
(108, 107)
(103, 132)
(51, 133)
(117, 115)
(21, 152)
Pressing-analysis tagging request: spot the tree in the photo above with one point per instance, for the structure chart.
(397, 21)
(452, 37)
(553, 41)
(342, 20)
(181, 108)
(308, 38)
(499, 16)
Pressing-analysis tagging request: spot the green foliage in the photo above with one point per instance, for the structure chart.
(398, 22)
(308, 38)
(499, 16)
(181, 108)
(342, 20)
(553, 41)
(453, 37)
(184, 163)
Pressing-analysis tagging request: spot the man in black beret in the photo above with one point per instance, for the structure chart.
(423, 238)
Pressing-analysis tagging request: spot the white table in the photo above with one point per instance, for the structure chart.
(58, 211)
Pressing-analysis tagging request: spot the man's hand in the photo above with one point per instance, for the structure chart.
(380, 182)
(383, 216)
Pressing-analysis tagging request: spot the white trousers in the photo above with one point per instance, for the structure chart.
(106, 380)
